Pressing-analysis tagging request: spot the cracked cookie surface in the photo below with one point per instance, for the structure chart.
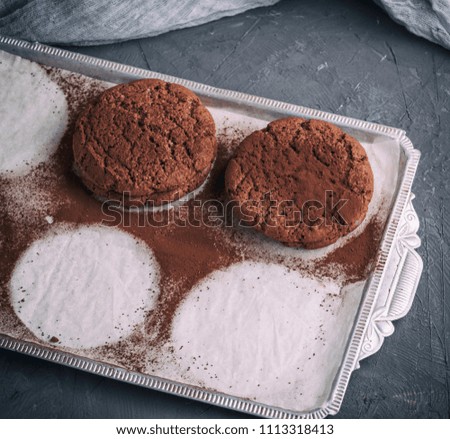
(304, 183)
(145, 141)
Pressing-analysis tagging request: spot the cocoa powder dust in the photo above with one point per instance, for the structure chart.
(188, 241)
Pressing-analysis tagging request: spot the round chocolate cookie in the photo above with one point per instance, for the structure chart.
(145, 141)
(304, 183)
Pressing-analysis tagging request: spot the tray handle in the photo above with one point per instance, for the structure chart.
(401, 290)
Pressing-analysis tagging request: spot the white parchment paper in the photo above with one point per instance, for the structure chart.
(256, 329)
(85, 287)
(33, 115)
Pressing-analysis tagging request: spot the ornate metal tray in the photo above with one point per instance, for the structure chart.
(389, 290)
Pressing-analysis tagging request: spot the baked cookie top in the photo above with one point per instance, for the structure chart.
(305, 183)
(147, 139)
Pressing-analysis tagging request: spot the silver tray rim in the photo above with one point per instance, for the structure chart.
(364, 324)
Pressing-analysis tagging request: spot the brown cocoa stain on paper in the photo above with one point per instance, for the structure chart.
(186, 254)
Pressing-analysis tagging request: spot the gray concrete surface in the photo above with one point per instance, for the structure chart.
(342, 56)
